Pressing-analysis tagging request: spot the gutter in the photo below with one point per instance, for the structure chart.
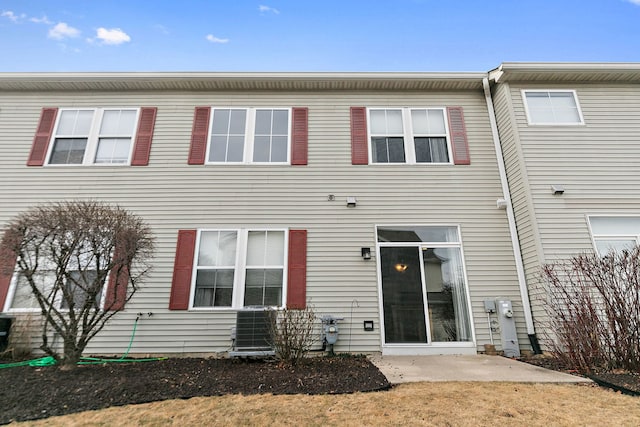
(522, 282)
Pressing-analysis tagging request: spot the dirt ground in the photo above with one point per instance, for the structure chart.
(29, 393)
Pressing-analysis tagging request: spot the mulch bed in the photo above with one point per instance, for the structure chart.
(29, 393)
(624, 382)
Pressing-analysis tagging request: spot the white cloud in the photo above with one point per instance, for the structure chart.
(62, 31)
(112, 36)
(11, 16)
(43, 20)
(636, 2)
(214, 39)
(267, 9)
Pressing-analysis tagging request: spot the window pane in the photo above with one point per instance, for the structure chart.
(118, 122)
(552, 107)
(214, 288)
(567, 115)
(80, 285)
(113, 150)
(220, 125)
(217, 248)
(629, 225)
(396, 150)
(394, 122)
(439, 153)
(218, 151)
(419, 122)
(261, 149)
(67, 151)
(378, 122)
(379, 150)
(235, 149)
(280, 122)
(538, 100)
(562, 100)
(238, 122)
(263, 122)
(436, 122)
(74, 122)
(435, 234)
(279, 149)
(423, 150)
(23, 296)
(541, 115)
(256, 247)
(604, 246)
(446, 295)
(263, 287)
(275, 248)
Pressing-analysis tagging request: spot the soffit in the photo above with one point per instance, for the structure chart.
(238, 81)
(609, 72)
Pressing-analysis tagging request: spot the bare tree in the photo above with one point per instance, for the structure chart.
(594, 310)
(82, 260)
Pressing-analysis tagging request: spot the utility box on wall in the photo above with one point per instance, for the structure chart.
(508, 334)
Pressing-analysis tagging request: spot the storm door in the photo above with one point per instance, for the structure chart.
(423, 287)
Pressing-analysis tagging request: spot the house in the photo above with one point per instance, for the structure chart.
(569, 134)
(379, 198)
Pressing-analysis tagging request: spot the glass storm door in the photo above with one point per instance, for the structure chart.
(403, 295)
(424, 291)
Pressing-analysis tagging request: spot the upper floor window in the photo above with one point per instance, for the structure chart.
(249, 135)
(552, 107)
(612, 233)
(409, 135)
(93, 136)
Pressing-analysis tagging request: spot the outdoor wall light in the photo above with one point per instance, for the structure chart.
(557, 189)
(368, 325)
(351, 202)
(366, 253)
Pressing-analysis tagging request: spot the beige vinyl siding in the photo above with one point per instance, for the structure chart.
(172, 195)
(596, 163)
(521, 200)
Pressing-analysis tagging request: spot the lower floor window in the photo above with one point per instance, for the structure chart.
(611, 233)
(239, 268)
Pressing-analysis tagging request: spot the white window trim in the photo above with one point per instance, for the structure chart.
(240, 269)
(249, 136)
(575, 98)
(58, 301)
(408, 135)
(93, 137)
(458, 244)
(623, 236)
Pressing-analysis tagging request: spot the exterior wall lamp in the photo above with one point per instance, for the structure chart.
(351, 201)
(366, 253)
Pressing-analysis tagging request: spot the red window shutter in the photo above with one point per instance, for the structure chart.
(116, 295)
(359, 143)
(43, 136)
(199, 135)
(182, 269)
(300, 136)
(297, 271)
(144, 135)
(458, 132)
(7, 265)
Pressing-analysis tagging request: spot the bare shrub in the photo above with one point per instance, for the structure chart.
(82, 261)
(291, 332)
(594, 310)
(20, 344)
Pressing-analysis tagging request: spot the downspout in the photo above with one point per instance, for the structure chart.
(515, 243)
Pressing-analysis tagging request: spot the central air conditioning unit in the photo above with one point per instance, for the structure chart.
(251, 337)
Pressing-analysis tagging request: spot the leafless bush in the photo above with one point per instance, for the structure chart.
(82, 261)
(291, 332)
(594, 310)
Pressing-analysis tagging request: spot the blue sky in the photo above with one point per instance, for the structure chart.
(304, 35)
